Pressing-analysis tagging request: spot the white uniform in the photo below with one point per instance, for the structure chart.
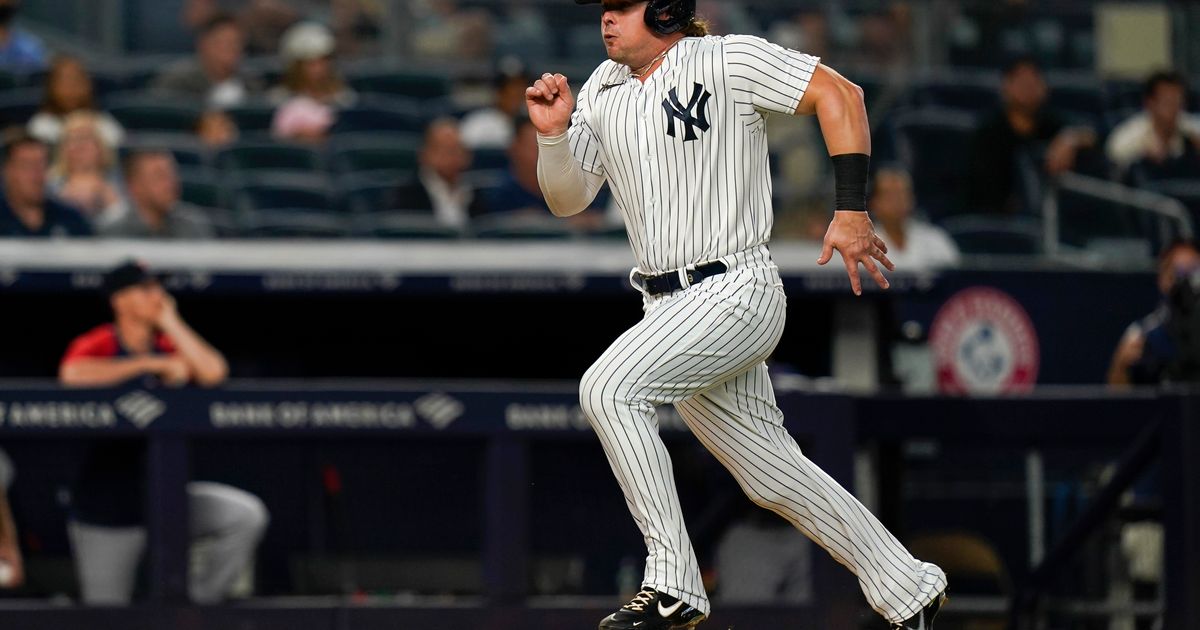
(685, 154)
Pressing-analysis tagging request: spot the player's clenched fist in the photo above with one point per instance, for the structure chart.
(550, 104)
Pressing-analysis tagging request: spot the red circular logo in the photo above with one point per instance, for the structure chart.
(984, 343)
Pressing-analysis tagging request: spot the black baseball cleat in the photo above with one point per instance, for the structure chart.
(651, 610)
(924, 619)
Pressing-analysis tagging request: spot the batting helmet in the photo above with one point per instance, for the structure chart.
(664, 16)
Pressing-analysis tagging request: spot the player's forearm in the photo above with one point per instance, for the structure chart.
(568, 189)
(209, 367)
(8, 527)
(93, 372)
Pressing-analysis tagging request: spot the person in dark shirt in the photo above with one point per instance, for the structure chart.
(1147, 348)
(149, 344)
(440, 186)
(1023, 125)
(25, 210)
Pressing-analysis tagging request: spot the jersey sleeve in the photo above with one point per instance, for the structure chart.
(768, 77)
(98, 343)
(585, 145)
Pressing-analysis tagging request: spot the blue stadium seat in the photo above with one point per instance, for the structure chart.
(201, 186)
(252, 117)
(971, 94)
(359, 153)
(521, 225)
(385, 115)
(270, 191)
(186, 147)
(934, 145)
(17, 106)
(294, 223)
(417, 85)
(270, 155)
(990, 234)
(145, 112)
(403, 225)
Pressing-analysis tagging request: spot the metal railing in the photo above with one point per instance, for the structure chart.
(1165, 211)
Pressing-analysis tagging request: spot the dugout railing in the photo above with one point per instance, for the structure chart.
(833, 427)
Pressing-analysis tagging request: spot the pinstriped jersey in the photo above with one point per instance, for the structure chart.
(685, 153)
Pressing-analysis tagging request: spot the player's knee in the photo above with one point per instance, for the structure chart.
(597, 394)
(765, 496)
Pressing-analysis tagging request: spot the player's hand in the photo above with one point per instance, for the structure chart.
(853, 234)
(10, 555)
(550, 103)
(169, 315)
(174, 371)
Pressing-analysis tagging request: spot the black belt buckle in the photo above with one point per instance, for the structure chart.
(669, 282)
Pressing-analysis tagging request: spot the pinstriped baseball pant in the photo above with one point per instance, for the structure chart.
(703, 350)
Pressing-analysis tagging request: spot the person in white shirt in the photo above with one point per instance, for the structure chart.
(912, 243)
(1162, 131)
(492, 127)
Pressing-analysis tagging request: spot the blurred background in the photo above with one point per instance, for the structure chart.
(293, 340)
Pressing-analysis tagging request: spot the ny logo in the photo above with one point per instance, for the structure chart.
(675, 109)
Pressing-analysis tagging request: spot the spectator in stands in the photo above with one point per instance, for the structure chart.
(69, 89)
(263, 21)
(84, 172)
(440, 186)
(1023, 126)
(1148, 348)
(154, 209)
(25, 210)
(312, 90)
(915, 243)
(441, 28)
(20, 51)
(215, 75)
(149, 343)
(216, 130)
(519, 192)
(1162, 132)
(492, 127)
(10, 547)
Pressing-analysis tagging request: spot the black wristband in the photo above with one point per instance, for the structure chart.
(850, 181)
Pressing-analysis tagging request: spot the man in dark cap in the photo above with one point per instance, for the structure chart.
(149, 342)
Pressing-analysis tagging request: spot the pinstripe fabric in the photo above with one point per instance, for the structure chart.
(688, 201)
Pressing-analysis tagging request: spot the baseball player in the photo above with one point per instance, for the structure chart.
(674, 122)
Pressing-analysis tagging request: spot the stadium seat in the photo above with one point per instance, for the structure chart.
(934, 145)
(145, 112)
(271, 156)
(384, 115)
(972, 94)
(400, 83)
(989, 234)
(1082, 102)
(359, 153)
(17, 106)
(293, 223)
(521, 225)
(371, 193)
(284, 191)
(201, 187)
(399, 224)
(252, 117)
(187, 148)
(489, 159)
